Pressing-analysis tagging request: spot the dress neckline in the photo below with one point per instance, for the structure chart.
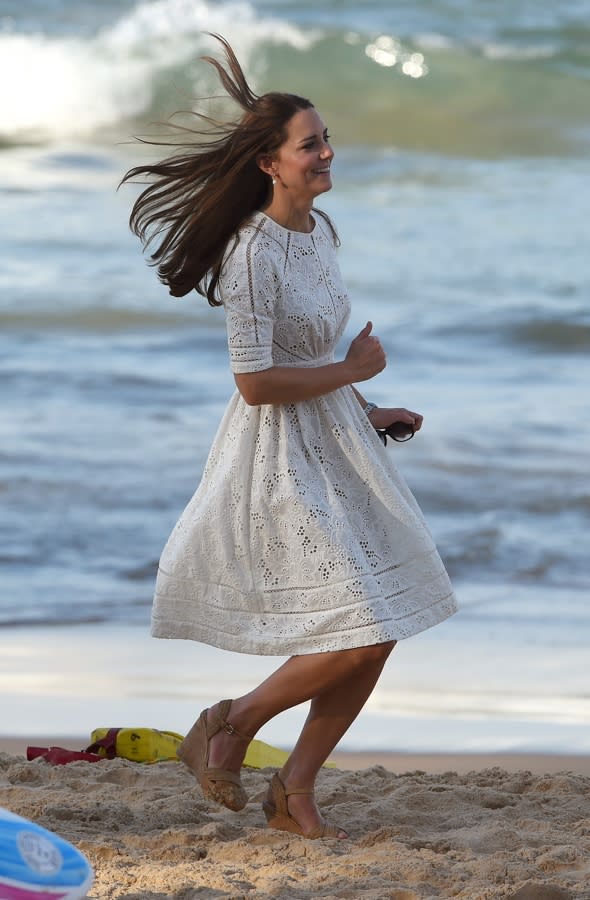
(289, 231)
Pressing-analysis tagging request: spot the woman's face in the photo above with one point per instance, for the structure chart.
(302, 164)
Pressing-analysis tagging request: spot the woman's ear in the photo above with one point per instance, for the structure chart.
(265, 163)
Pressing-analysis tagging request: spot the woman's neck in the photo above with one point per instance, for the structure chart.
(288, 216)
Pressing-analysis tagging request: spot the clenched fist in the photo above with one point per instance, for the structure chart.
(365, 356)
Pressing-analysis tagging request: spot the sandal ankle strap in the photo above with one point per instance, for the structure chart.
(229, 729)
(222, 711)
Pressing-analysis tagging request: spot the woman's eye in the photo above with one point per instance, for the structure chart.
(311, 145)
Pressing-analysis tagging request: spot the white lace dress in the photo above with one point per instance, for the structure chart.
(301, 537)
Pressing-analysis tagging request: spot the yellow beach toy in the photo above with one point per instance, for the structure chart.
(148, 745)
(138, 744)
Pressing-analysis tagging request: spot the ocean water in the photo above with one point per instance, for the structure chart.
(461, 176)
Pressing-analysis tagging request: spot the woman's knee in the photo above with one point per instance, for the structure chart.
(373, 654)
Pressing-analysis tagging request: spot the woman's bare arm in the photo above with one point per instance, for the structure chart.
(285, 384)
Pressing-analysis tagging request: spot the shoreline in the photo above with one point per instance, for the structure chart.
(421, 704)
(351, 760)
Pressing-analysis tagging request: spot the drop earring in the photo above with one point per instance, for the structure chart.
(274, 181)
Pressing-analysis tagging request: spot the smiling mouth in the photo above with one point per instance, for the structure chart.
(325, 171)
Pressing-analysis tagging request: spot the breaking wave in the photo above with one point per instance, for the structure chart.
(427, 91)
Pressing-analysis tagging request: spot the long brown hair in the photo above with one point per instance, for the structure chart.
(198, 199)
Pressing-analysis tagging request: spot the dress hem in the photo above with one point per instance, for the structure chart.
(378, 633)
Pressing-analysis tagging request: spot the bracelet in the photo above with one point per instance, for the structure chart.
(369, 408)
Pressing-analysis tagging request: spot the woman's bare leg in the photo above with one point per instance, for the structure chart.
(338, 683)
(330, 716)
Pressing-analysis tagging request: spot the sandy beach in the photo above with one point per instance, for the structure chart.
(425, 826)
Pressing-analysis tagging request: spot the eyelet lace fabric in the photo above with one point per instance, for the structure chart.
(302, 537)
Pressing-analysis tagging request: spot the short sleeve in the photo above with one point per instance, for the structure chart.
(248, 289)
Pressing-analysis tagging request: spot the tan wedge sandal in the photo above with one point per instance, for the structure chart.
(278, 816)
(220, 785)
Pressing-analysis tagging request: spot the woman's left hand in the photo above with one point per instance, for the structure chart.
(384, 416)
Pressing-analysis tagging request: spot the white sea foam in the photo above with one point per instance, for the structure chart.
(74, 86)
(498, 51)
(65, 86)
(481, 704)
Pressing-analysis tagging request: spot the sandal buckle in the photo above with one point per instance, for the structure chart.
(229, 728)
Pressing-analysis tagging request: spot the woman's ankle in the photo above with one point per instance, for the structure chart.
(297, 780)
(240, 718)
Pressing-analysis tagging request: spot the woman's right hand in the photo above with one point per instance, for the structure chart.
(365, 356)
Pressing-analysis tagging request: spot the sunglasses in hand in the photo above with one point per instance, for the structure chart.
(397, 431)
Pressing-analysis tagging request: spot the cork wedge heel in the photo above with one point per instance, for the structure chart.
(277, 814)
(220, 785)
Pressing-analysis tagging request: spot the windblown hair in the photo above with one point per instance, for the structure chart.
(198, 199)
